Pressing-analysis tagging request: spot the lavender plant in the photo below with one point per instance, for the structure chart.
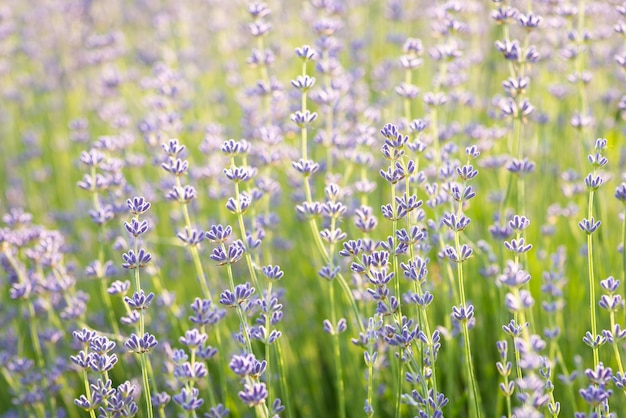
(356, 161)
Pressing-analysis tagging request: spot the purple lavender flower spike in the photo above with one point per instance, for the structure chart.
(241, 295)
(138, 260)
(138, 205)
(218, 411)
(193, 338)
(173, 148)
(160, 399)
(463, 313)
(306, 53)
(139, 300)
(254, 394)
(218, 233)
(273, 272)
(139, 345)
(595, 395)
(205, 312)
(242, 365)
(188, 399)
(589, 226)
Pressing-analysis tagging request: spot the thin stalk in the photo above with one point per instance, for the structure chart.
(303, 130)
(417, 287)
(337, 353)
(417, 368)
(370, 385)
(268, 356)
(335, 337)
(143, 362)
(469, 366)
(141, 331)
(516, 351)
(283, 380)
(520, 207)
(253, 276)
(618, 358)
(592, 290)
(201, 276)
(508, 397)
(313, 224)
(202, 279)
(552, 402)
(394, 256)
(396, 279)
(240, 313)
(450, 271)
(92, 413)
(400, 378)
(146, 383)
(322, 249)
(525, 329)
(242, 228)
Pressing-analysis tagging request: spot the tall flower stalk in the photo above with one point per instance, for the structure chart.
(177, 166)
(141, 342)
(96, 183)
(306, 167)
(589, 225)
(462, 193)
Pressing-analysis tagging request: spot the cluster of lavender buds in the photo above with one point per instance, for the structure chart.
(96, 358)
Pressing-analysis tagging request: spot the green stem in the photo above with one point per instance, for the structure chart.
(516, 351)
(92, 413)
(520, 207)
(201, 276)
(320, 246)
(242, 228)
(202, 279)
(108, 305)
(400, 378)
(618, 358)
(240, 313)
(146, 383)
(394, 256)
(370, 384)
(283, 380)
(337, 353)
(303, 130)
(475, 394)
(508, 397)
(592, 290)
(477, 412)
(141, 331)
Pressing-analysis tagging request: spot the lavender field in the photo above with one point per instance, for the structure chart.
(321, 208)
